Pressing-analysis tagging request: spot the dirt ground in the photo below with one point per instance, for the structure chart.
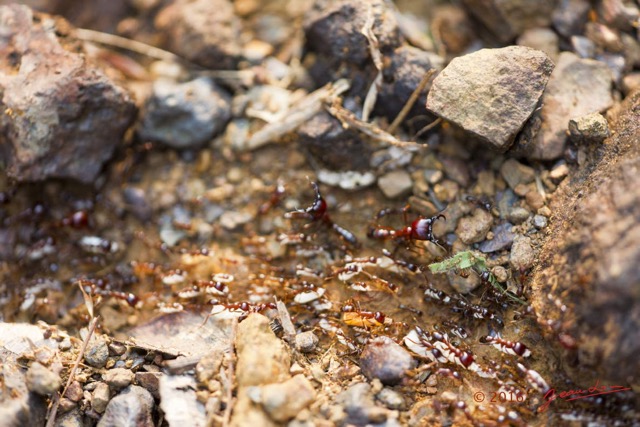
(402, 263)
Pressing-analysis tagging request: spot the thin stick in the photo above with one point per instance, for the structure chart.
(411, 101)
(54, 408)
(350, 120)
(428, 127)
(128, 44)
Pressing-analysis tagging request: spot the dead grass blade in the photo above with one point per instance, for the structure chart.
(411, 101)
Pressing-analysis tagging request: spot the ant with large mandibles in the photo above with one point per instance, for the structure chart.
(420, 229)
(318, 212)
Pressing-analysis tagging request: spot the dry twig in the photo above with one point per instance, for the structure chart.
(299, 113)
(411, 101)
(230, 375)
(51, 418)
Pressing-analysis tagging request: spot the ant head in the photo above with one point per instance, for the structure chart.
(421, 229)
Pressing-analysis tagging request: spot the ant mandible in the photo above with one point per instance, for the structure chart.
(420, 229)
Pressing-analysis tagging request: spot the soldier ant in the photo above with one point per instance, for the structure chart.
(420, 229)
(317, 212)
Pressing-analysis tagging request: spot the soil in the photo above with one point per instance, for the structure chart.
(147, 287)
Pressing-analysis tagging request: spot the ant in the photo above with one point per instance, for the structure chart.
(420, 229)
(274, 199)
(94, 288)
(317, 212)
(514, 348)
(354, 316)
(244, 308)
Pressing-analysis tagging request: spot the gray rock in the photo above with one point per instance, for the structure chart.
(97, 353)
(522, 256)
(100, 398)
(474, 229)
(359, 407)
(131, 408)
(543, 39)
(502, 237)
(577, 87)
(391, 398)
(206, 32)
(61, 116)
(506, 19)
(386, 360)
(306, 342)
(334, 28)
(506, 202)
(516, 173)
(583, 47)
(492, 92)
(179, 402)
(590, 128)
(118, 378)
(570, 16)
(185, 115)
(285, 400)
(540, 221)
(396, 183)
(42, 380)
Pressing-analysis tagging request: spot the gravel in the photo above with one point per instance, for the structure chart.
(522, 256)
(474, 229)
(285, 400)
(97, 353)
(131, 408)
(118, 377)
(306, 342)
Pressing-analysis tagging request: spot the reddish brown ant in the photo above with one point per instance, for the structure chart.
(420, 229)
(274, 200)
(94, 288)
(514, 348)
(244, 308)
(317, 212)
(352, 315)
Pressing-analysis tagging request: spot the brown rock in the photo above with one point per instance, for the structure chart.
(475, 228)
(61, 117)
(285, 400)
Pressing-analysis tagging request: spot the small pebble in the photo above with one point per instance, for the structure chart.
(500, 273)
(515, 173)
(545, 210)
(391, 398)
(74, 391)
(474, 229)
(306, 342)
(150, 381)
(384, 359)
(433, 176)
(71, 418)
(100, 397)
(518, 215)
(97, 353)
(285, 400)
(42, 380)
(117, 348)
(522, 255)
(395, 184)
(540, 221)
(359, 406)
(592, 127)
(535, 200)
(118, 377)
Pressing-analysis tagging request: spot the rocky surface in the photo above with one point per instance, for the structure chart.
(185, 115)
(577, 87)
(592, 250)
(491, 93)
(61, 116)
